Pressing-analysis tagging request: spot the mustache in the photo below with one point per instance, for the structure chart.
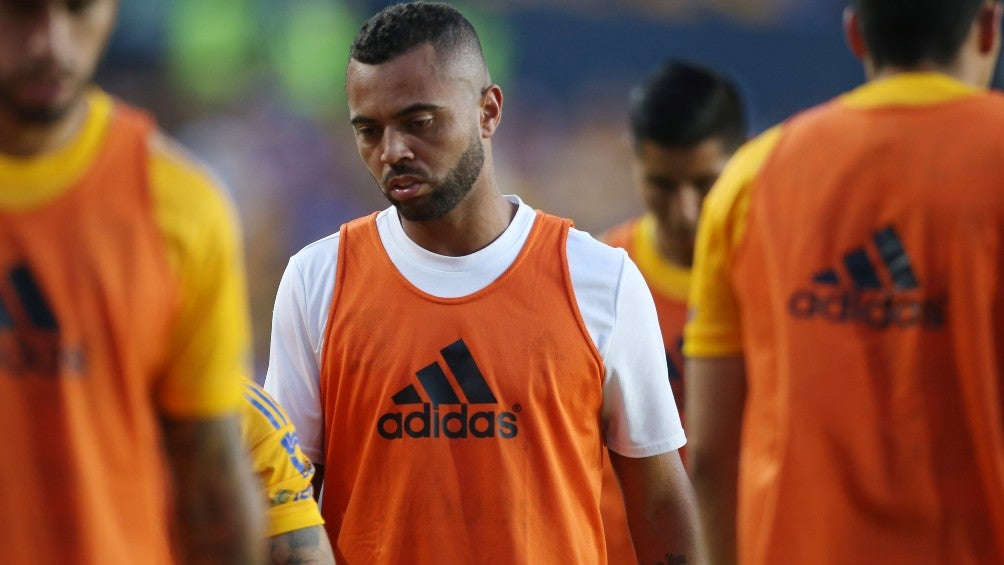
(404, 169)
(42, 70)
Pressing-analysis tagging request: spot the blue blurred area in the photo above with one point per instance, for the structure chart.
(255, 88)
(780, 69)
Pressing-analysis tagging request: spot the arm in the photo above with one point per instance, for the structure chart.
(660, 508)
(219, 516)
(716, 393)
(306, 546)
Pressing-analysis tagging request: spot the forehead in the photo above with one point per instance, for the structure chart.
(706, 157)
(416, 76)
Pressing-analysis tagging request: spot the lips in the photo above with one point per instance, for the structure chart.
(405, 187)
(42, 90)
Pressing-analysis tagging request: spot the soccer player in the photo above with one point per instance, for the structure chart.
(846, 351)
(685, 123)
(295, 528)
(456, 363)
(123, 328)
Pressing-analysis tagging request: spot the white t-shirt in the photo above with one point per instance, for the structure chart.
(639, 414)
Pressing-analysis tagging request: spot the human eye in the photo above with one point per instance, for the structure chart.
(366, 132)
(419, 122)
(704, 184)
(79, 6)
(662, 185)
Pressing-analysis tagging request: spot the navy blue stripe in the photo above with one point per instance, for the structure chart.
(265, 398)
(5, 320)
(437, 386)
(465, 369)
(826, 277)
(407, 395)
(861, 269)
(31, 297)
(263, 410)
(895, 258)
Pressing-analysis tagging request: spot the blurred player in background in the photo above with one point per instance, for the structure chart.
(846, 348)
(685, 123)
(295, 528)
(123, 325)
(458, 362)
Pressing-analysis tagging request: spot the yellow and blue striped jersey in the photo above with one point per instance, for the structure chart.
(283, 471)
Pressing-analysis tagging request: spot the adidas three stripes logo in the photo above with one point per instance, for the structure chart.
(871, 301)
(861, 270)
(426, 420)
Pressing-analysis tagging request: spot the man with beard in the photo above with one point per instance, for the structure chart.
(123, 329)
(456, 363)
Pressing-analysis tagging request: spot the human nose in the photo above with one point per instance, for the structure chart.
(690, 202)
(47, 33)
(394, 147)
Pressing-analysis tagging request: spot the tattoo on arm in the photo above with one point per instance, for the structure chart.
(306, 546)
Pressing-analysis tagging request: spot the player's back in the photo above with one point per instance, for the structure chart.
(92, 347)
(868, 278)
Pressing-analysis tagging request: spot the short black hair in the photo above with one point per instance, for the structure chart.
(401, 27)
(904, 33)
(681, 104)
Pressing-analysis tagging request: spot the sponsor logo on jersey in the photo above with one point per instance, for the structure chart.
(893, 299)
(285, 496)
(30, 339)
(441, 413)
(290, 443)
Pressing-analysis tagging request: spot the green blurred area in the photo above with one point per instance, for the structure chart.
(218, 50)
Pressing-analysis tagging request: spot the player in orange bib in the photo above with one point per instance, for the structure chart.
(686, 121)
(123, 329)
(846, 348)
(458, 362)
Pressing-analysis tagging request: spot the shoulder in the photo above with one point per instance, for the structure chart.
(261, 415)
(190, 203)
(318, 259)
(180, 179)
(593, 258)
(596, 271)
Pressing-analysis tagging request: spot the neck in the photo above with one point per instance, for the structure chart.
(675, 251)
(474, 223)
(21, 138)
(963, 70)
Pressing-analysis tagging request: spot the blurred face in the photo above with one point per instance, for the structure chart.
(417, 130)
(48, 52)
(674, 181)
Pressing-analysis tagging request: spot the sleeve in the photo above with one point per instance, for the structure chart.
(293, 376)
(714, 327)
(639, 411)
(283, 471)
(210, 338)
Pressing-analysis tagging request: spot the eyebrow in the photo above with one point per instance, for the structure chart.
(413, 109)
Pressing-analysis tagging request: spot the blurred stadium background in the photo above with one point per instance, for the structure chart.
(255, 88)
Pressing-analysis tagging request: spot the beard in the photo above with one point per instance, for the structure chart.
(37, 113)
(449, 191)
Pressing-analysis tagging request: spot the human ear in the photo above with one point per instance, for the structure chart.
(852, 33)
(988, 22)
(491, 109)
